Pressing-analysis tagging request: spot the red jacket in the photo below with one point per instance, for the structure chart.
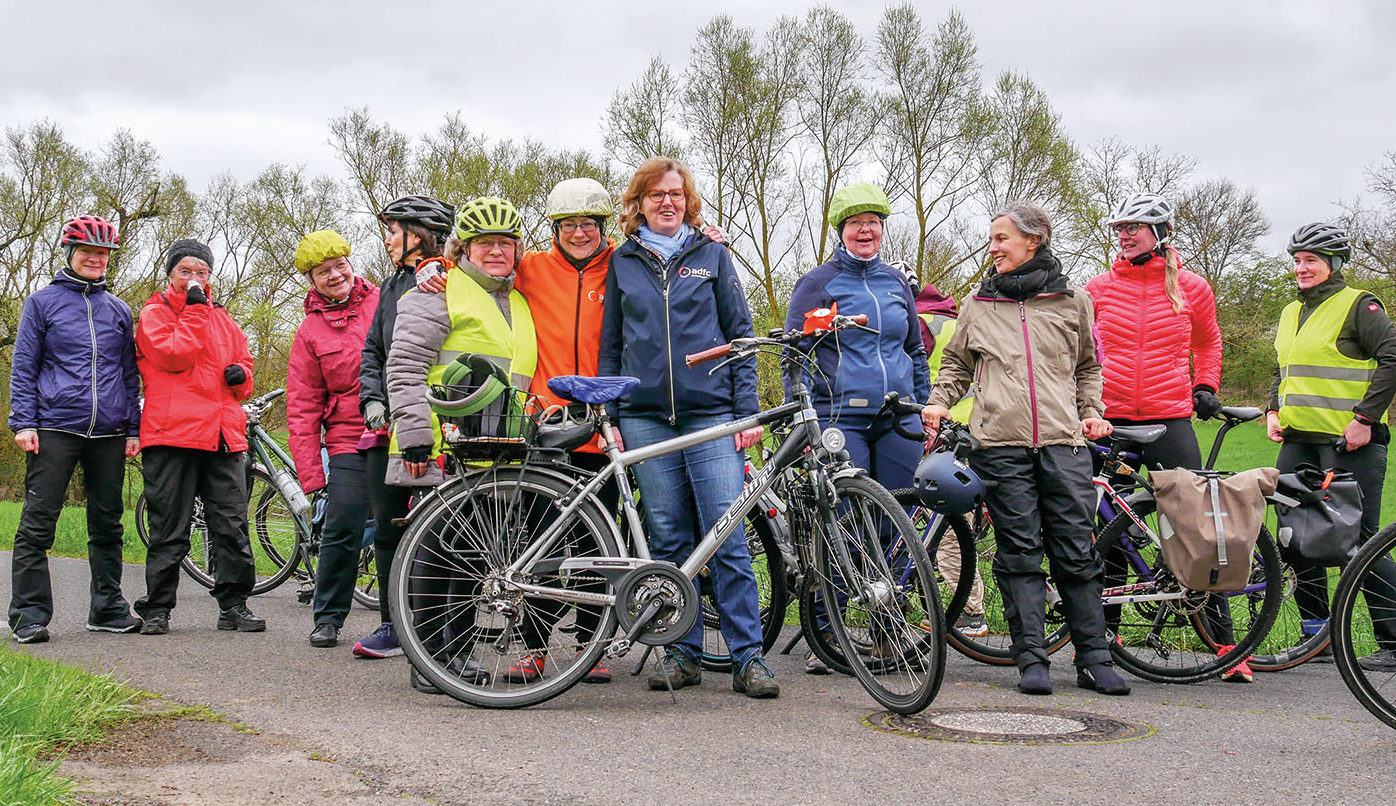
(182, 352)
(322, 379)
(1146, 345)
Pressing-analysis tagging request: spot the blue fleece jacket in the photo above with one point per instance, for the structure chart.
(657, 311)
(858, 368)
(74, 366)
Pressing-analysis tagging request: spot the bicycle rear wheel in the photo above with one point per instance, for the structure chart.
(1354, 636)
(467, 630)
(769, 566)
(879, 587)
(949, 543)
(1286, 645)
(366, 582)
(1162, 640)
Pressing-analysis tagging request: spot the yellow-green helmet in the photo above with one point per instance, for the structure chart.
(578, 197)
(488, 216)
(863, 197)
(318, 247)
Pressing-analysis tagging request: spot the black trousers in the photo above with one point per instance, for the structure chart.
(1368, 467)
(46, 476)
(341, 539)
(174, 477)
(1043, 503)
(387, 501)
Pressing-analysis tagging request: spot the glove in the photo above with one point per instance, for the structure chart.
(1205, 402)
(195, 295)
(375, 415)
(418, 455)
(234, 374)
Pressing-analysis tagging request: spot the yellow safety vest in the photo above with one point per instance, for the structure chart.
(478, 326)
(1319, 386)
(942, 327)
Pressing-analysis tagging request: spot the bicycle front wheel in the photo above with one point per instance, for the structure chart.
(884, 606)
(949, 543)
(464, 626)
(1367, 660)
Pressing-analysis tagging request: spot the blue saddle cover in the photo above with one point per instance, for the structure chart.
(594, 391)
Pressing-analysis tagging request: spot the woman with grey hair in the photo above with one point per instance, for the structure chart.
(1024, 340)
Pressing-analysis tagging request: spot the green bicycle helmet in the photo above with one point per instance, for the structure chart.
(488, 216)
(863, 197)
(318, 247)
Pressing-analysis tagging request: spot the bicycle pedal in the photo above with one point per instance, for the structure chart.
(305, 595)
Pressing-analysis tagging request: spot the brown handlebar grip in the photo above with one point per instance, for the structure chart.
(707, 355)
(860, 319)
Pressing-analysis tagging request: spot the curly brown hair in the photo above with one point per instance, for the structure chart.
(649, 172)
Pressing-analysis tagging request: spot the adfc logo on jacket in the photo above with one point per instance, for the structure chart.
(686, 271)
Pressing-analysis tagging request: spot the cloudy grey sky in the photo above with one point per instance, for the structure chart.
(1291, 98)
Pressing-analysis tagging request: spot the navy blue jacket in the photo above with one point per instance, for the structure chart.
(860, 368)
(657, 312)
(74, 365)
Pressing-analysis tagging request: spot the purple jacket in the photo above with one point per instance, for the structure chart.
(74, 365)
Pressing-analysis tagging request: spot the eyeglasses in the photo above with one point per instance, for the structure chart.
(1132, 228)
(569, 227)
(491, 244)
(658, 196)
(871, 224)
(187, 274)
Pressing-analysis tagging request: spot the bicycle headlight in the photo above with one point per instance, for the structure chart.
(833, 440)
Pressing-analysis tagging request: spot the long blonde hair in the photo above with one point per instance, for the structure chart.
(1170, 278)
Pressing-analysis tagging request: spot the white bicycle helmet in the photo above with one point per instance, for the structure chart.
(1146, 208)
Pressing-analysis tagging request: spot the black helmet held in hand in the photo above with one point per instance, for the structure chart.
(947, 485)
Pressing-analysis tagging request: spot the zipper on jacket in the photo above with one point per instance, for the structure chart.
(1142, 308)
(577, 327)
(92, 334)
(1032, 383)
(668, 343)
(877, 348)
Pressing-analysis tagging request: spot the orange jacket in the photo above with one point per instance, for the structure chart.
(182, 351)
(566, 305)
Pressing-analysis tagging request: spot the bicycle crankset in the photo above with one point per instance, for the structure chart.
(678, 603)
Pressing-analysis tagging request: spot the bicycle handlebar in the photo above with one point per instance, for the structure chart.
(258, 405)
(954, 436)
(837, 323)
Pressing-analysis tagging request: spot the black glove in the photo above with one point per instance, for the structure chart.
(195, 295)
(419, 455)
(234, 374)
(1205, 402)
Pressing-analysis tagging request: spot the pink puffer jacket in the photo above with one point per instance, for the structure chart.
(1147, 346)
(322, 383)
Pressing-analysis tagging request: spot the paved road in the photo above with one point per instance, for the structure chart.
(1296, 737)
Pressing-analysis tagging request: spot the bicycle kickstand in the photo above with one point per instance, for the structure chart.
(799, 636)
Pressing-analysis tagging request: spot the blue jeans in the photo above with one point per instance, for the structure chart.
(684, 493)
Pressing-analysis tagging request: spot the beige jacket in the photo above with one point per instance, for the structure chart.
(1033, 365)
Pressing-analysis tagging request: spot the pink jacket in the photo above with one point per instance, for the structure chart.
(322, 382)
(1147, 346)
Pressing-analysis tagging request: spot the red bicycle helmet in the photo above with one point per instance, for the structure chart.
(90, 230)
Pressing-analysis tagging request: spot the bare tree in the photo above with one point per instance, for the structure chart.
(641, 120)
(720, 68)
(1218, 227)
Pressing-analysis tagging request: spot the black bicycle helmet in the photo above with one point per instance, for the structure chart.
(1321, 239)
(435, 215)
(947, 485)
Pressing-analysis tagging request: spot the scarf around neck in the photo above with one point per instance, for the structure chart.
(1042, 273)
(666, 246)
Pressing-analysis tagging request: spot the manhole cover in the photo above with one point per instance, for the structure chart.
(999, 725)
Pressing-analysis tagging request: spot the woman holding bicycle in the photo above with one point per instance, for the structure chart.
(1024, 339)
(1333, 385)
(1161, 353)
(859, 368)
(322, 411)
(671, 291)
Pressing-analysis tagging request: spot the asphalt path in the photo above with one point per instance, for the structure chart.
(1296, 737)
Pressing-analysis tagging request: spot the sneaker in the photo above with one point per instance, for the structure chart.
(239, 618)
(155, 624)
(120, 624)
(466, 669)
(527, 669)
(678, 669)
(813, 665)
(756, 680)
(324, 636)
(1241, 672)
(1382, 661)
(31, 634)
(972, 626)
(382, 643)
(420, 683)
(598, 674)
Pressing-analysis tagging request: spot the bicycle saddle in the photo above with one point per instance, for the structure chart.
(1138, 434)
(1241, 413)
(593, 391)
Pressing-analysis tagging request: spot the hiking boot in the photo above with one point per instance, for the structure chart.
(155, 624)
(1241, 672)
(527, 669)
(420, 683)
(381, 643)
(469, 672)
(678, 669)
(756, 680)
(239, 618)
(813, 665)
(1381, 661)
(1103, 678)
(31, 634)
(324, 636)
(120, 624)
(972, 626)
(598, 674)
(1035, 680)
